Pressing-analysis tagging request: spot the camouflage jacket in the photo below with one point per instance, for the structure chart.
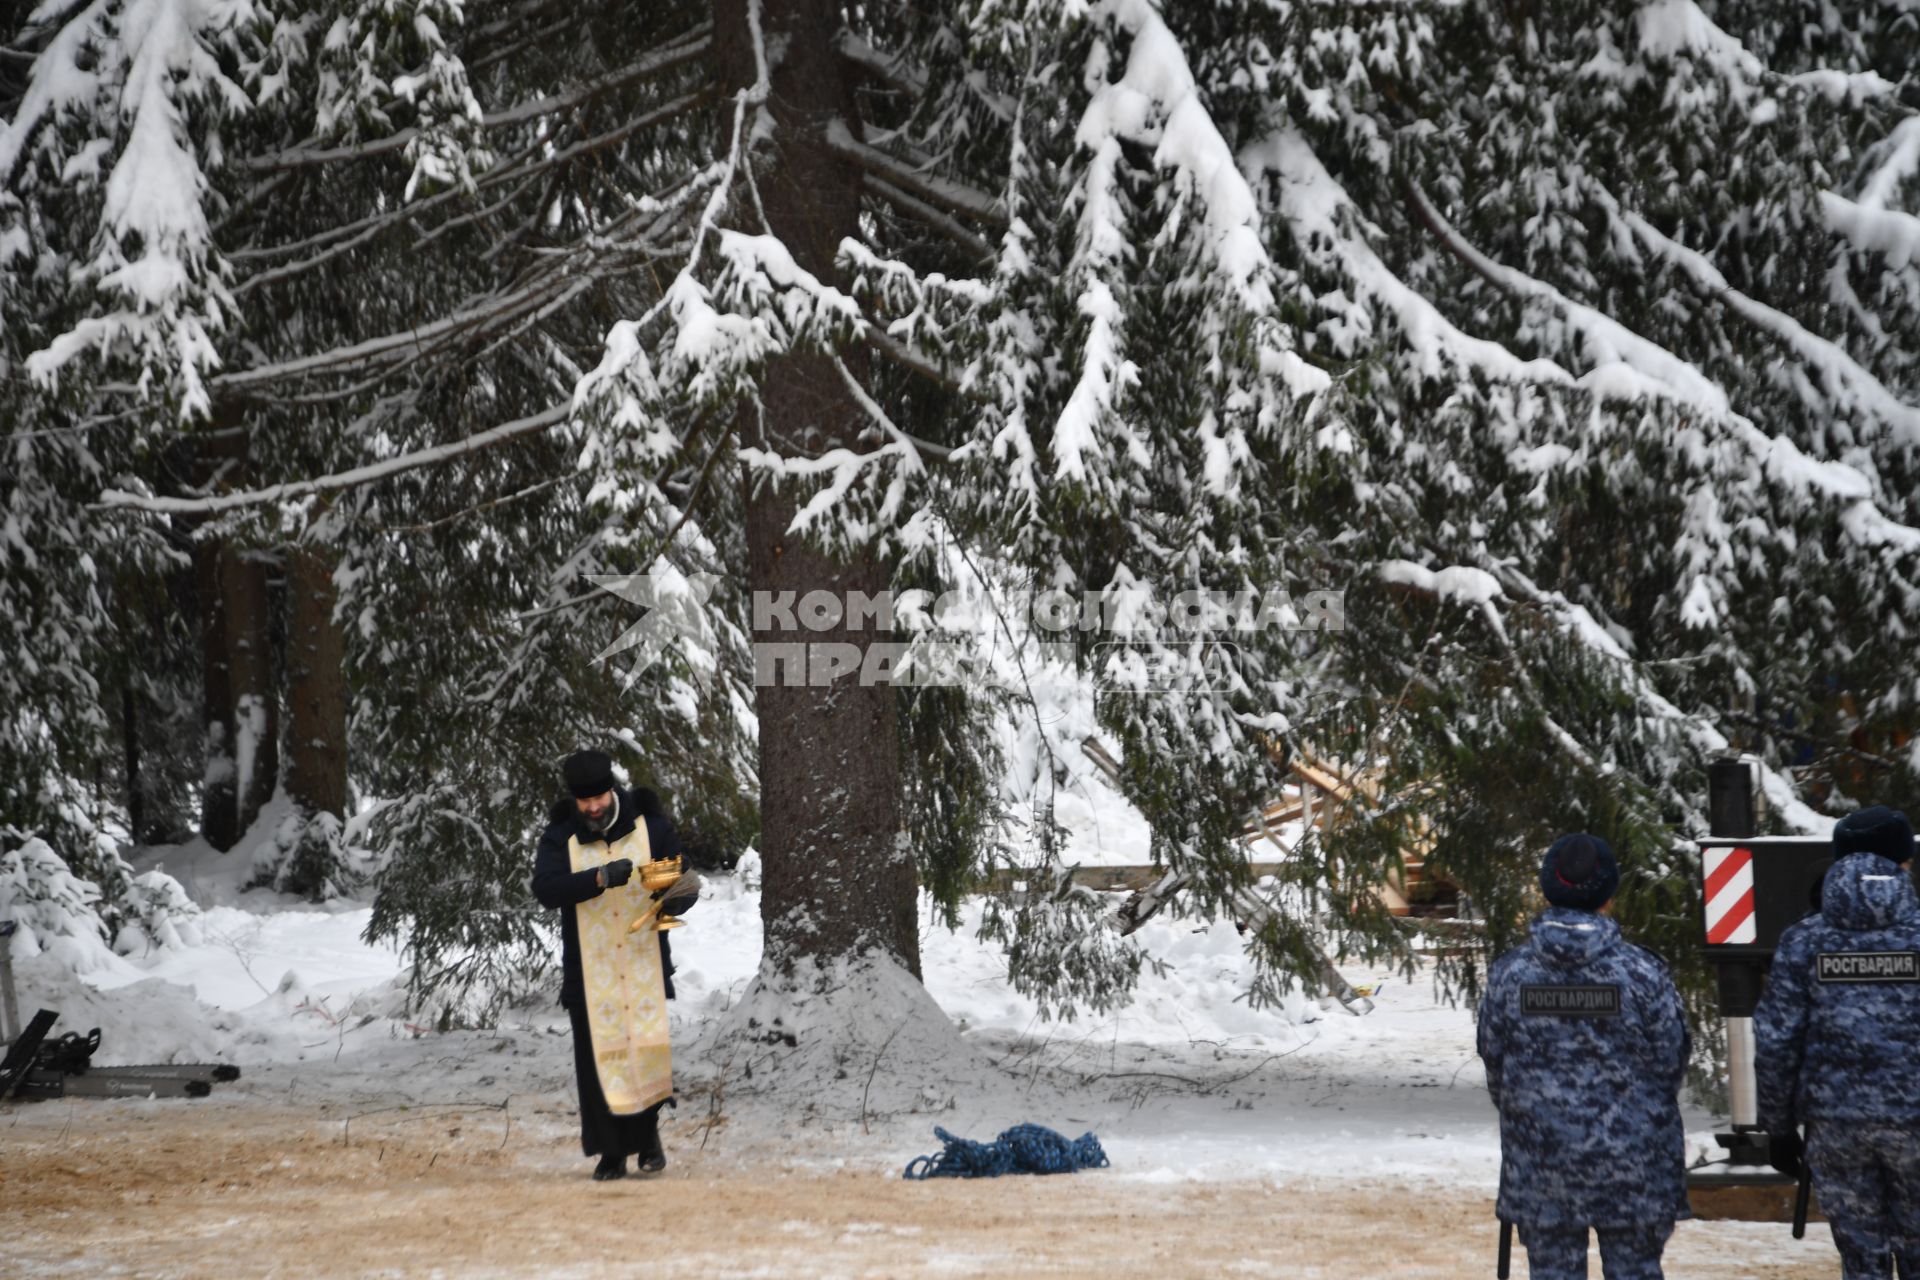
(1586, 1047)
(1837, 1033)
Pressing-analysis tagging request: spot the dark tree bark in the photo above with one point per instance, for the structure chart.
(219, 810)
(838, 875)
(316, 687)
(240, 702)
(255, 706)
(130, 747)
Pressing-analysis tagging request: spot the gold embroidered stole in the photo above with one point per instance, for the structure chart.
(625, 987)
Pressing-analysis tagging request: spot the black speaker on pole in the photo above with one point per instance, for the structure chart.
(1730, 806)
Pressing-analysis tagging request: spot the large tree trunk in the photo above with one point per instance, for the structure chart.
(239, 698)
(838, 875)
(130, 752)
(219, 811)
(255, 714)
(316, 687)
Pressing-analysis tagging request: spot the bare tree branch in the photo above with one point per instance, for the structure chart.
(408, 344)
(925, 213)
(892, 70)
(897, 72)
(693, 45)
(524, 166)
(909, 359)
(542, 421)
(944, 192)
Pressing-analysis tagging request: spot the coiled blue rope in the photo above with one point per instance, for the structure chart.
(1025, 1148)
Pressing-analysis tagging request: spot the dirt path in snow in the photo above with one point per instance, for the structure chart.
(252, 1189)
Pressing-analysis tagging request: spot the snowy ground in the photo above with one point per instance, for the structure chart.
(1298, 1142)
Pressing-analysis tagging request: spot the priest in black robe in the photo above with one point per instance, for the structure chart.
(596, 808)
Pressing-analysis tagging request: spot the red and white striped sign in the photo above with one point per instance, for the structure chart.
(1729, 873)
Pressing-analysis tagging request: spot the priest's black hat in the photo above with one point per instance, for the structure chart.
(588, 774)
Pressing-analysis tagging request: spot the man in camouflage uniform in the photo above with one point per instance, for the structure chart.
(1837, 1047)
(1586, 1048)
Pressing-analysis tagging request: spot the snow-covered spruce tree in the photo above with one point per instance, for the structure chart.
(1574, 346)
(1610, 440)
(95, 661)
(1681, 483)
(345, 265)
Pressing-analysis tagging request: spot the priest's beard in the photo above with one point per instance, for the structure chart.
(606, 817)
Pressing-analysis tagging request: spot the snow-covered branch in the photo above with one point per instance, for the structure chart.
(1625, 365)
(135, 85)
(910, 79)
(1320, 214)
(908, 358)
(1901, 162)
(1629, 367)
(861, 397)
(894, 71)
(1870, 228)
(1852, 384)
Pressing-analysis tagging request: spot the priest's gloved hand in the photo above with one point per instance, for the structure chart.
(617, 872)
(1785, 1151)
(685, 891)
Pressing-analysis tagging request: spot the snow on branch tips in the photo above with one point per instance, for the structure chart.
(136, 90)
(1669, 29)
(1318, 212)
(1627, 367)
(1156, 102)
(705, 351)
(1459, 584)
(828, 511)
(445, 151)
(1853, 385)
(1153, 103)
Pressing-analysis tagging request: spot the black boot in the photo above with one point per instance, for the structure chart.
(654, 1158)
(609, 1168)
